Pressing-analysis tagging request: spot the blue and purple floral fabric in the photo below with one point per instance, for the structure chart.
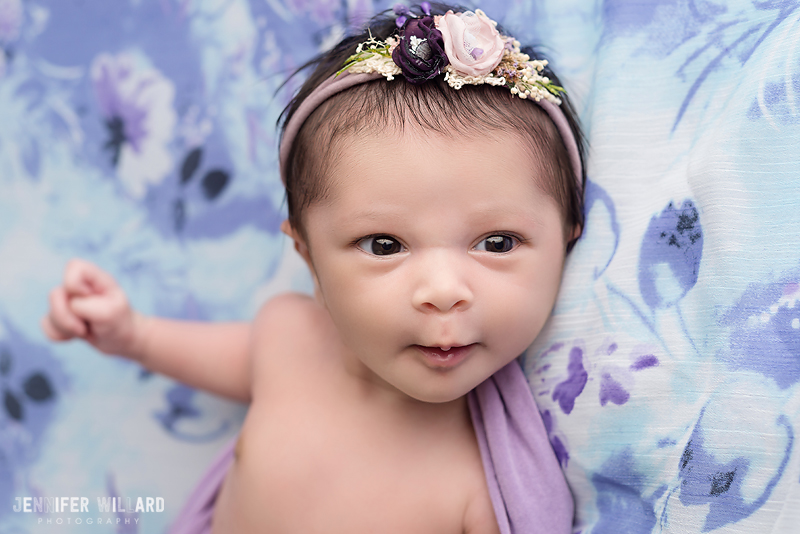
(139, 134)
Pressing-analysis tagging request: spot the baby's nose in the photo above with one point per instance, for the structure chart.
(442, 284)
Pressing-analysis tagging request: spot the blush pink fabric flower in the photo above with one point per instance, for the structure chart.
(472, 43)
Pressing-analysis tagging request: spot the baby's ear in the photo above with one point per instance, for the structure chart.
(577, 230)
(299, 243)
(301, 247)
(575, 233)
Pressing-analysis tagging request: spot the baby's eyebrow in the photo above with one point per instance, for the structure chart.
(503, 212)
(373, 214)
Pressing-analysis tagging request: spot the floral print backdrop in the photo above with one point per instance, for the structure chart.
(140, 134)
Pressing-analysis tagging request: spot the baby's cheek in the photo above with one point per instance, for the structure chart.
(516, 321)
(360, 319)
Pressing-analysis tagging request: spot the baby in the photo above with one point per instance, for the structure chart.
(433, 175)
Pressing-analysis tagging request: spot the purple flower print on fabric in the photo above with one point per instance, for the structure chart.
(622, 499)
(705, 480)
(765, 332)
(669, 258)
(182, 407)
(611, 390)
(558, 445)
(643, 362)
(11, 16)
(328, 12)
(567, 391)
(127, 520)
(599, 199)
(136, 103)
(31, 381)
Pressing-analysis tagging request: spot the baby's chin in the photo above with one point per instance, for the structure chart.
(439, 395)
(450, 385)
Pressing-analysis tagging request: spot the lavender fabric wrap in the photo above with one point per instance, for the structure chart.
(196, 515)
(528, 490)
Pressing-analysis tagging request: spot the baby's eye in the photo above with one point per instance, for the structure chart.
(380, 245)
(497, 243)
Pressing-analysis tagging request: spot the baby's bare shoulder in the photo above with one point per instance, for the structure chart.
(283, 302)
(289, 332)
(288, 317)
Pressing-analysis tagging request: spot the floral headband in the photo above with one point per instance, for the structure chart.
(466, 47)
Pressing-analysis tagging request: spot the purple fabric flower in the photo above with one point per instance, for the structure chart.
(420, 51)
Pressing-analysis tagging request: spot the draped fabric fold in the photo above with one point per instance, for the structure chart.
(526, 484)
(197, 513)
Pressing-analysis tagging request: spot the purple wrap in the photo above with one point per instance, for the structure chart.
(527, 487)
(195, 516)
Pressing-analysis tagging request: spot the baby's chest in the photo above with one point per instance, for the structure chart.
(319, 472)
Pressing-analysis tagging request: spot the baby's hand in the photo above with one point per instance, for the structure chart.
(90, 305)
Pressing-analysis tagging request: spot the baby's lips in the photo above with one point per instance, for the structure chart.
(445, 357)
(444, 349)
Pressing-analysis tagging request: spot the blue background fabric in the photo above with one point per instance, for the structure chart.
(139, 134)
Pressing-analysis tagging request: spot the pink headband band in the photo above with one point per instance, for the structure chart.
(336, 84)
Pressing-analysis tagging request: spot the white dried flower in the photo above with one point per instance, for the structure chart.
(376, 63)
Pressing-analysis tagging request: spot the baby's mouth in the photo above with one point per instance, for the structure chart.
(445, 357)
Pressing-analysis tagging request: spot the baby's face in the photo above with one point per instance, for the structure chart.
(439, 259)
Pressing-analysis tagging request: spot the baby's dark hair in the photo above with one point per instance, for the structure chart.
(376, 106)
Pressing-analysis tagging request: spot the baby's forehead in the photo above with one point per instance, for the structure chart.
(374, 149)
(396, 106)
(396, 165)
(397, 144)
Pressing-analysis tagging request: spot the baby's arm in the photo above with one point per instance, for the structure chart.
(90, 305)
